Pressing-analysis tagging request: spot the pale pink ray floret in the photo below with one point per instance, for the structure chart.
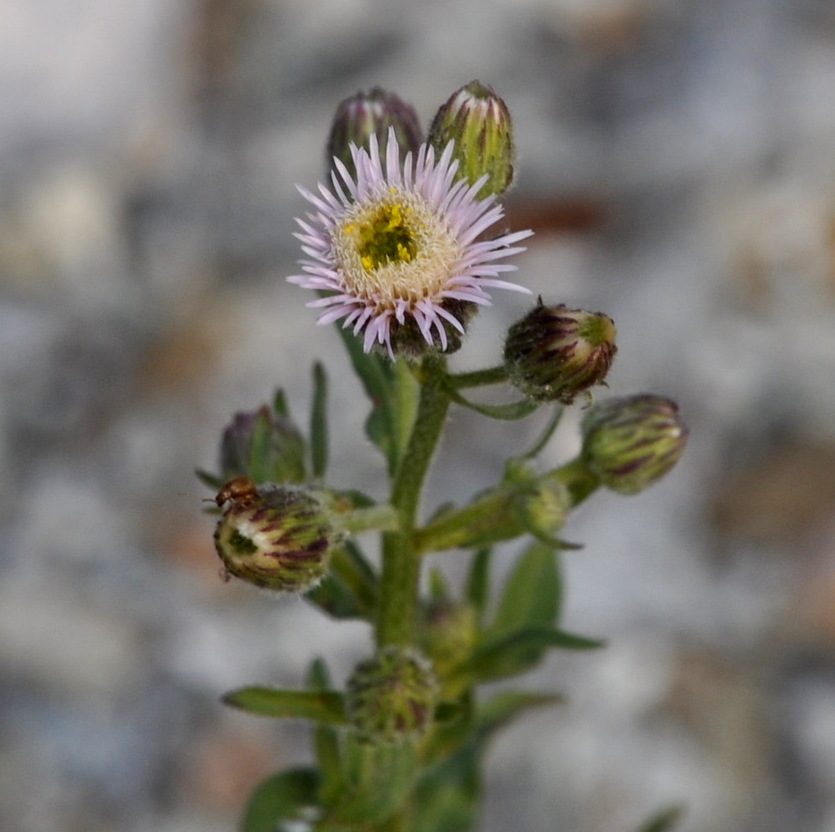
(395, 241)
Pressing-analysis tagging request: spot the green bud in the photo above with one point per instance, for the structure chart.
(392, 696)
(364, 115)
(275, 537)
(544, 508)
(631, 442)
(263, 445)
(479, 123)
(554, 352)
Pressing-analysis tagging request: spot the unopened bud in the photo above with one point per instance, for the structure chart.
(275, 537)
(364, 115)
(479, 123)
(554, 352)
(392, 696)
(630, 443)
(263, 445)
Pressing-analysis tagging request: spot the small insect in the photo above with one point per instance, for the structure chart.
(238, 490)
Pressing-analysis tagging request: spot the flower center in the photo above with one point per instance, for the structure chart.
(385, 239)
(395, 248)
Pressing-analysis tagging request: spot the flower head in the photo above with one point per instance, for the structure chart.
(398, 249)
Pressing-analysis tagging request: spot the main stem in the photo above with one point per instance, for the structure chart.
(397, 615)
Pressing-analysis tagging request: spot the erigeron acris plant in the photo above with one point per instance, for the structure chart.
(402, 245)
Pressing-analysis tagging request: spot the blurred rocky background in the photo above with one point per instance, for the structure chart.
(677, 161)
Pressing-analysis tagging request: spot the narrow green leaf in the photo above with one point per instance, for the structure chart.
(260, 449)
(664, 820)
(531, 593)
(319, 422)
(209, 480)
(521, 650)
(280, 405)
(350, 588)
(375, 373)
(318, 706)
(477, 589)
(281, 798)
(504, 412)
(497, 712)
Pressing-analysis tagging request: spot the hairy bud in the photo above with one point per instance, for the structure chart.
(275, 537)
(372, 114)
(479, 123)
(392, 696)
(631, 442)
(554, 352)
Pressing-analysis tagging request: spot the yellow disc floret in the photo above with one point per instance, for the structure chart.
(395, 248)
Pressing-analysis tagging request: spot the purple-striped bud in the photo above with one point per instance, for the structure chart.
(274, 537)
(554, 352)
(479, 123)
(631, 442)
(364, 115)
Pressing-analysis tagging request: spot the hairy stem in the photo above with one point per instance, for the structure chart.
(401, 565)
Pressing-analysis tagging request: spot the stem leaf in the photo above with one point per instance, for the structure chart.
(281, 798)
(319, 706)
(319, 422)
(664, 821)
(521, 650)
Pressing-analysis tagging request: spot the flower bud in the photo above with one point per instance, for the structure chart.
(372, 114)
(479, 123)
(631, 442)
(554, 352)
(263, 445)
(275, 537)
(392, 696)
(543, 508)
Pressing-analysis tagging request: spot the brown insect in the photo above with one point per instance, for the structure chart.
(238, 490)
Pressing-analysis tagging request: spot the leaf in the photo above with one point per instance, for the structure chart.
(521, 650)
(664, 820)
(260, 462)
(377, 779)
(447, 796)
(477, 589)
(531, 593)
(209, 480)
(376, 376)
(505, 412)
(318, 706)
(350, 588)
(280, 405)
(319, 422)
(283, 797)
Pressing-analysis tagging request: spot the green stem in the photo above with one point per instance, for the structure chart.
(576, 477)
(381, 517)
(477, 378)
(401, 565)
